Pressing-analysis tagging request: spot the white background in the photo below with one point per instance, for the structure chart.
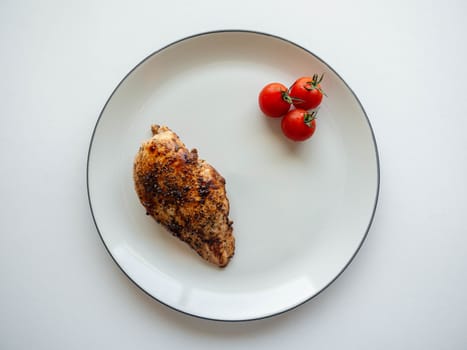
(405, 60)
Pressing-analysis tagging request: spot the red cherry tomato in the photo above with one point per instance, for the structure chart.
(306, 92)
(274, 101)
(298, 124)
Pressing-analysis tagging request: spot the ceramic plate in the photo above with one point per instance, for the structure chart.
(301, 210)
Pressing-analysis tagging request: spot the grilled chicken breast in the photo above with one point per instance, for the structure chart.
(185, 194)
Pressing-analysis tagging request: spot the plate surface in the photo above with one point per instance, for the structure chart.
(301, 210)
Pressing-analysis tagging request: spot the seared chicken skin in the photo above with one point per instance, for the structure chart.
(185, 194)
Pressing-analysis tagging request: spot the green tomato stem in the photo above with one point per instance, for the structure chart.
(286, 97)
(309, 117)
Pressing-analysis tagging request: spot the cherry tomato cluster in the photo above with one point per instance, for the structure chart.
(305, 94)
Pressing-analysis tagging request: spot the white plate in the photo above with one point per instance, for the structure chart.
(301, 210)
